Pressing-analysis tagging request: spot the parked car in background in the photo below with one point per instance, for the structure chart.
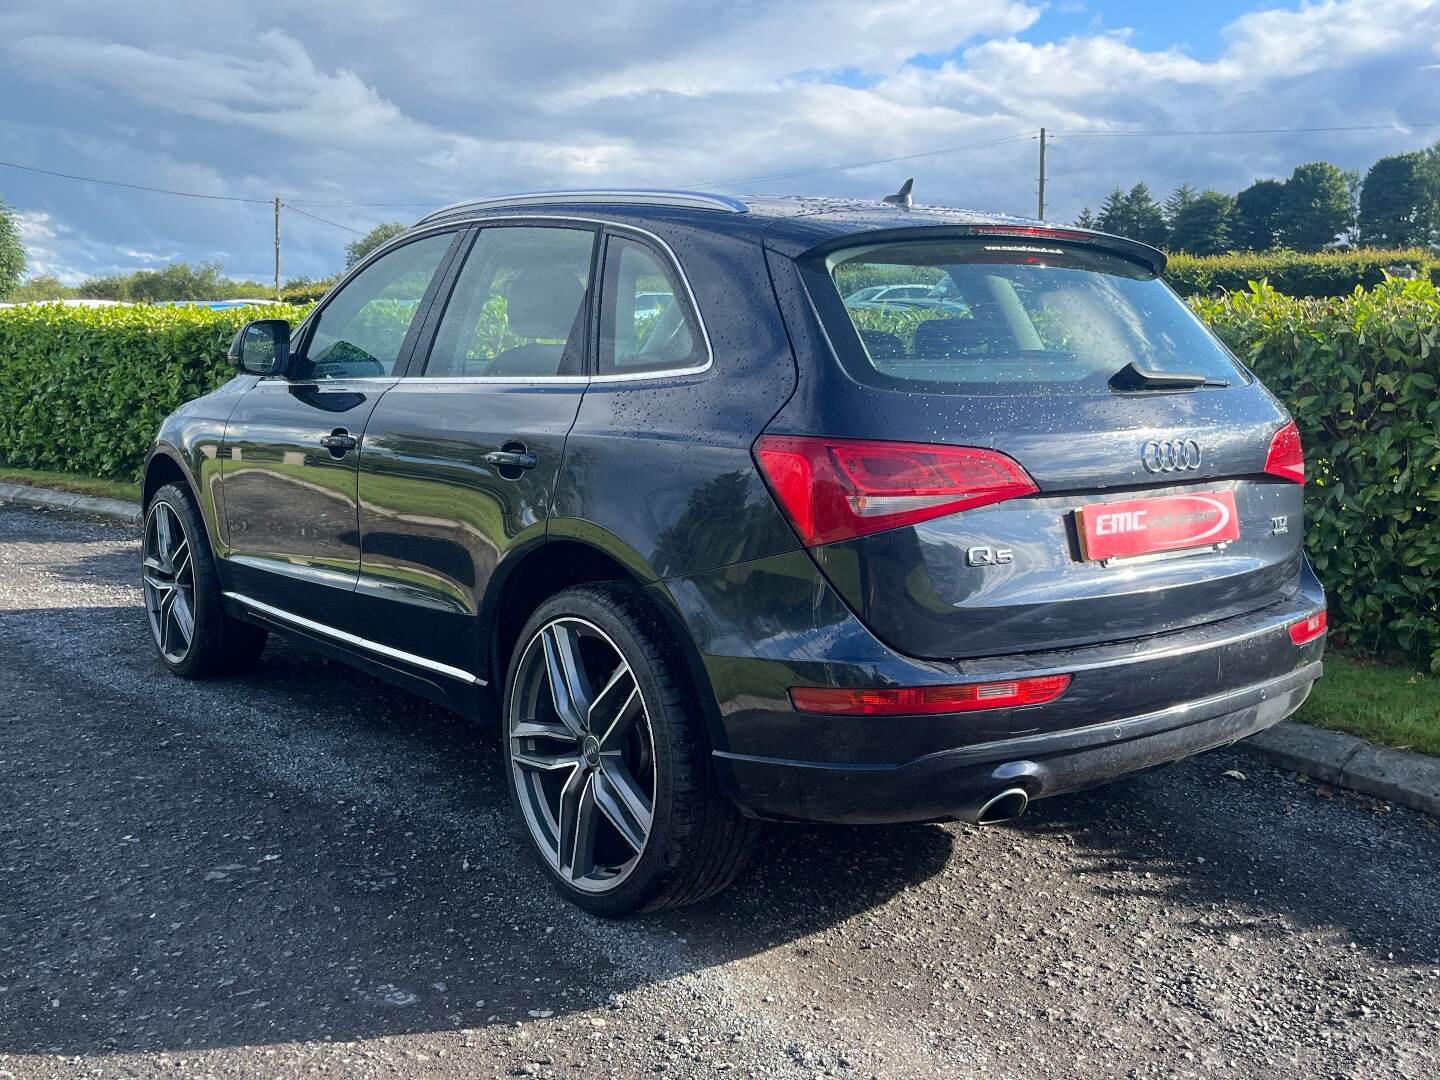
(645, 477)
(71, 301)
(214, 305)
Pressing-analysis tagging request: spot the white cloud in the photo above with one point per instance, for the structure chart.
(35, 228)
(39, 233)
(147, 257)
(749, 47)
(1286, 44)
(409, 102)
(278, 91)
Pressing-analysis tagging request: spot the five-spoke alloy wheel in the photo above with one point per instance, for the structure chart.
(583, 753)
(608, 758)
(169, 582)
(193, 634)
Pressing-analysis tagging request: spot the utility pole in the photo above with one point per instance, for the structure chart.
(277, 238)
(1040, 214)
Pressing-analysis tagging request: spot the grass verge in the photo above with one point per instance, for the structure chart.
(72, 482)
(1385, 703)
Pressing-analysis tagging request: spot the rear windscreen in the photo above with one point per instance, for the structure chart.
(998, 316)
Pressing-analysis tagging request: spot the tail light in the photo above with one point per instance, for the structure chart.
(920, 700)
(1286, 458)
(835, 489)
(1307, 630)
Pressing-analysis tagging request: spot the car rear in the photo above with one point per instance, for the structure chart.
(1069, 519)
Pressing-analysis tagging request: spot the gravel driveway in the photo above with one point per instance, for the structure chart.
(306, 872)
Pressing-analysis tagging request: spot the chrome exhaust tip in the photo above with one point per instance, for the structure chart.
(1003, 806)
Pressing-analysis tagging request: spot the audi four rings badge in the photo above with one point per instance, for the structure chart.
(1170, 455)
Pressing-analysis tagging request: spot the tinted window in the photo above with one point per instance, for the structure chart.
(361, 330)
(1000, 317)
(645, 322)
(516, 310)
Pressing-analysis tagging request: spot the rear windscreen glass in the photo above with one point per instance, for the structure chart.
(1000, 316)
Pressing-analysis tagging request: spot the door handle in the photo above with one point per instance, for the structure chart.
(339, 442)
(512, 459)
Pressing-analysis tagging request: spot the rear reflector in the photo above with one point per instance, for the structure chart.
(835, 489)
(919, 700)
(1309, 629)
(1286, 458)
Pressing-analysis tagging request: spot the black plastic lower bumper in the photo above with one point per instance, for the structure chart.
(943, 784)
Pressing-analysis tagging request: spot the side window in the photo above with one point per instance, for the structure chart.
(645, 319)
(517, 306)
(361, 330)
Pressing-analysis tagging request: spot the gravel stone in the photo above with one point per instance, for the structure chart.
(306, 872)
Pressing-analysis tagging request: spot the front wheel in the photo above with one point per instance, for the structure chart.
(192, 633)
(608, 761)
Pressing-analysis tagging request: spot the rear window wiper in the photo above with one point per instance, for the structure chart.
(1132, 377)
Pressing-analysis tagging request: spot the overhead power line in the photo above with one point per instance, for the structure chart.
(132, 187)
(1086, 132)
(192, 194)
(317, 217)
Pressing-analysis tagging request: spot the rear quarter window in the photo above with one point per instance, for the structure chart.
(990, 315)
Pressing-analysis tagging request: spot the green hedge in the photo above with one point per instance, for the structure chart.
(1359, 374)
(1328, 273)
(84, 389)
(307, 293)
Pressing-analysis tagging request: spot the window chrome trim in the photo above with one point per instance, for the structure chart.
(422, 381)
(541, 380)
(355, 639)
(340, 381)
(527, 221)
(667, 197)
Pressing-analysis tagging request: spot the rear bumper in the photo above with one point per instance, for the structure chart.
(760, 628)
(946, 783)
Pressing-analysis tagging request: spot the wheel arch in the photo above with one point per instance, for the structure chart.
(164, 466)
(529, 577)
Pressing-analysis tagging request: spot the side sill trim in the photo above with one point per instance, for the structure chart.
(355, 639)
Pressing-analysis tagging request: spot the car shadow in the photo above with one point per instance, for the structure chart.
(310, 854)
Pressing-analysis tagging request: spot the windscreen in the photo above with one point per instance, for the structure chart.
(1014, 316)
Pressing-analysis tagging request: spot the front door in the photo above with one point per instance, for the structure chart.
(288, 463)
(460, 457)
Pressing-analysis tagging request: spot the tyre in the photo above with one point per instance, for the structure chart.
(193, 635)
(608, 760)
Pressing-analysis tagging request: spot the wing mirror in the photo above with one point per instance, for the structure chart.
(262, 347)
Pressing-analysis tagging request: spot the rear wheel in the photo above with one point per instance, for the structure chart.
(608, 761)
(192, 633)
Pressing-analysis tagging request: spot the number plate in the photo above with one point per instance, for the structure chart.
(1167, 523)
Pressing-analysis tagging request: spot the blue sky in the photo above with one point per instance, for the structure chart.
(1194, 27)
(333, 103)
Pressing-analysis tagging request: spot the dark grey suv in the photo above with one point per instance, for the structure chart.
(626, 470)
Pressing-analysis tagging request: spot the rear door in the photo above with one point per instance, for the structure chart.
(461, 455)
(1145, 507)
(288, 464)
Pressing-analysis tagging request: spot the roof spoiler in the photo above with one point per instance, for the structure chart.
(1152, 259)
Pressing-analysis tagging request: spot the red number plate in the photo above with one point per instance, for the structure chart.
(1168, 523)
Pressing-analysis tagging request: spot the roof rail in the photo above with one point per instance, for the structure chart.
(693, 200)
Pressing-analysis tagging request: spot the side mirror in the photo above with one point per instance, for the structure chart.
(262, 347)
